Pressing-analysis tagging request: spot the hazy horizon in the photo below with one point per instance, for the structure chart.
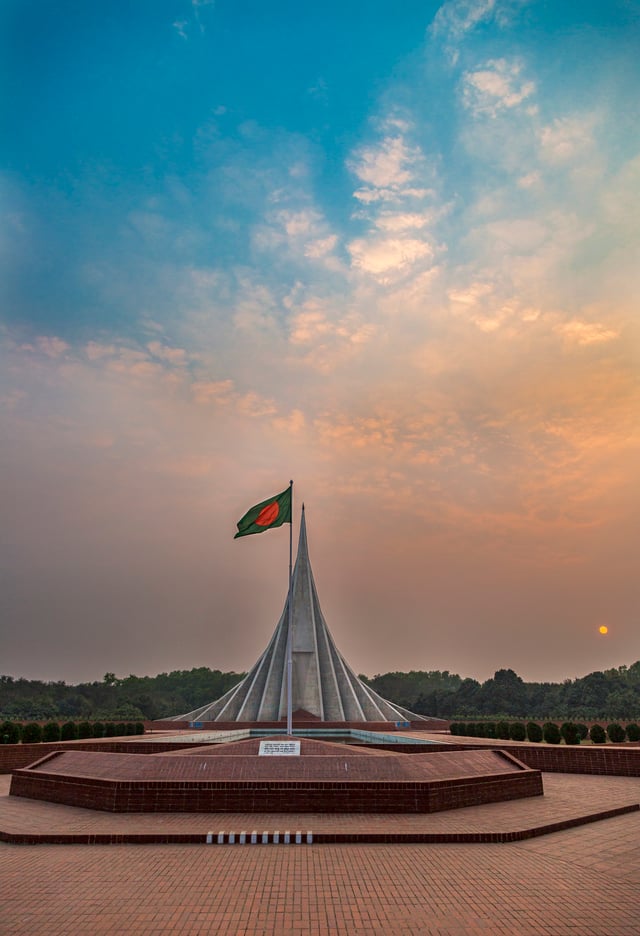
(394, 257)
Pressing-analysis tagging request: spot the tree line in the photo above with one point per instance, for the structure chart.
(608, 694)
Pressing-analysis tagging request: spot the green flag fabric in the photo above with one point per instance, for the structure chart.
(267, 515)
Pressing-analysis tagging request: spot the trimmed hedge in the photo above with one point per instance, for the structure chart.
(597, 734)
(570, 733)
(51, 731)
(551, 733)
(616, 733)
(633, 732)
(10, 732)
(534, 732)
(517, 731)
(32, 733)
(69, 731)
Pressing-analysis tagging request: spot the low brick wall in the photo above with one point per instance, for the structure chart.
(605, 760)
(275, 796)
(14, 756)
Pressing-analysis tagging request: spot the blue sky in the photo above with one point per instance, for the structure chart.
(394, 257)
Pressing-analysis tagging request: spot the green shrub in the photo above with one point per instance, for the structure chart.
(616, 733)
(32, 733)
(139, 728)
(570, 733)
(517, 731)
(98, 729)
(534, 732)
(470, 730)
(597, 734)
(10, 732)
(69, 731)
(454, 728)
(489, 729)
(51, 731)
(109, 730)
(130, 728)
(551, 733)
(502, 730)
(583, 731)
(121, 729)
(633, 732)
(85, 730)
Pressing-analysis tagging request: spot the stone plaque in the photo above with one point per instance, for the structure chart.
(279, 748)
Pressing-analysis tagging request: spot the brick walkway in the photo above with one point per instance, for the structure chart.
(567, 798)
(584, 881)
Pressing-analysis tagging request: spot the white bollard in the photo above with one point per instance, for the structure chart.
(209, 838)
(309, 838)
(243, 838)
(232, 838)
(298, 837)
(220, 838)
(265, 838)
(254, 838)
(287, 836)
(276, 838)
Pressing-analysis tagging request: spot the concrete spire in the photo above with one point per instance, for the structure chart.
(324, 685)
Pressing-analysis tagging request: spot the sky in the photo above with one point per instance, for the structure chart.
(392, 256)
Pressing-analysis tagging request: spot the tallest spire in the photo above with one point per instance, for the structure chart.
(324, 685)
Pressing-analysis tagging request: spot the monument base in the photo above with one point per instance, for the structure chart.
(322, 777)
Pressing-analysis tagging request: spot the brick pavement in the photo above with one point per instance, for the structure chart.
(554, 886)
(566, 798)
(584, 881)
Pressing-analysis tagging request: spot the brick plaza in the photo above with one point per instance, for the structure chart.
(583, 880)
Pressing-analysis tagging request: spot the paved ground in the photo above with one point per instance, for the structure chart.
(584, 881)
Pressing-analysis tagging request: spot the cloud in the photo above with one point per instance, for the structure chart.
(567, 139)
(496, 87)
(398, 206)
(381, 256)
(50, 345)
(456, 19)
(586, 333)
(165, 353)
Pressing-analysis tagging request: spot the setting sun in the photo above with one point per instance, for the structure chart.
(603, 629)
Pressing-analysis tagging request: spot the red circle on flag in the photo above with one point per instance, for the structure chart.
(268, 514)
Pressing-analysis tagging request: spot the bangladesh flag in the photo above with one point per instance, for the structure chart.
(270, 513)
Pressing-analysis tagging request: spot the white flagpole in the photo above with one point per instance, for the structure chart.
(290, 627)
